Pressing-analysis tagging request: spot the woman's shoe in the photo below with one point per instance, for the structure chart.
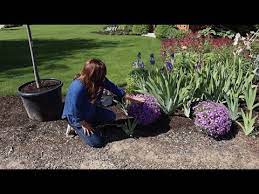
(70, 131)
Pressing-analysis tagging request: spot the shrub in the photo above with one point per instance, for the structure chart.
(110, 28)
(207, 32)
(220, 42)
(117, 29)
(168, 31)
(147, 112)
(140, 29)
(196, 43)
(125, 27)
(191, 41)
(12, 25)
(213, 117)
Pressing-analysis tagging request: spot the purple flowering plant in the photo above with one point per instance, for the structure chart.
(147, 112)
(138, 63)
(213, 117)
(169, 66)
(169, 60)
(152, 59)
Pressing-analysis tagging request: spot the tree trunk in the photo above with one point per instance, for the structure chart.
(35, 69)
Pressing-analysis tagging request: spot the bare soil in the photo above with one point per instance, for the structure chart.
(44, 86)
(170, 143)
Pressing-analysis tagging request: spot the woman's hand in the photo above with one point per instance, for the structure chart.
(88, 129)
(134, 99)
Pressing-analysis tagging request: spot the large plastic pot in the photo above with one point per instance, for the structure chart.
(43, 106)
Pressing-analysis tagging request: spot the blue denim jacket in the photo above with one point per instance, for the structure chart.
(78, 106)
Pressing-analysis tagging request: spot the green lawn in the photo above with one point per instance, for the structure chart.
(61, 50)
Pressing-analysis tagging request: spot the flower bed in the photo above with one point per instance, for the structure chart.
(178, 83)
(194, 42)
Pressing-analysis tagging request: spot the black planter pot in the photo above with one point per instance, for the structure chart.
(43, 106)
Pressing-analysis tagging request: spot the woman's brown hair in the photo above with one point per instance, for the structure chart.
(93, 75)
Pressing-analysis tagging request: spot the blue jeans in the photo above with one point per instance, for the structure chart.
(101, 116)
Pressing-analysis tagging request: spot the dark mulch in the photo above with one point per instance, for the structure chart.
(44, 86)
(169, 143)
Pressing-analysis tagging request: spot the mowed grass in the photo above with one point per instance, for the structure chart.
(61, 50)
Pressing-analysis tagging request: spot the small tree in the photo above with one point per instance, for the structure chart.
(35, 68)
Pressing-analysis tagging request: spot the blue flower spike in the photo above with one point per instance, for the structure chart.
(169, 66)
(152, 59)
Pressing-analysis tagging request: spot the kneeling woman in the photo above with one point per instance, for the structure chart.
(81, 109)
